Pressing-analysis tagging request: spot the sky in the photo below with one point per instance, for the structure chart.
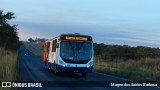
(129, 22)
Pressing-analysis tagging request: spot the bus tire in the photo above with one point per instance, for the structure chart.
(84, 74)
(47, 65)
(48, 68)
(55, 72)
(55, 69)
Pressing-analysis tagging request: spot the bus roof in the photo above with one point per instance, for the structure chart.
(74, 35)
(68, 35)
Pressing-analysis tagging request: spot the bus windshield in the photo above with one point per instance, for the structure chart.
(76, 50)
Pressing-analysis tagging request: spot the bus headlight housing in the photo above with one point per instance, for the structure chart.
(90, 64)
(62, 63)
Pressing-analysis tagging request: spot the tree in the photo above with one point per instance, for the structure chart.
(114, 52)
(30, 39)
(8, 34)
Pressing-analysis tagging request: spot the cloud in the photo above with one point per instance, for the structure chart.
(131, 41)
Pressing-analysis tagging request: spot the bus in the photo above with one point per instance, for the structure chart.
(69, 53)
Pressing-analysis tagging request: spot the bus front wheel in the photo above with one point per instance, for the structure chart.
(55, 69)
(48, 67)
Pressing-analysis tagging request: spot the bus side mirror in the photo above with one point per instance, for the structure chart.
(57, 46)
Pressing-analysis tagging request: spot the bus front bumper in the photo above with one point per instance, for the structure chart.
(74, 69)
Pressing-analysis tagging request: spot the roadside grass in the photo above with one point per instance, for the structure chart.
(8, 66)
(32, 51)
(147, 69)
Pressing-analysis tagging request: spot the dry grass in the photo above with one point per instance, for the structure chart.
(149, 63)
(143, 69)
(8, 66)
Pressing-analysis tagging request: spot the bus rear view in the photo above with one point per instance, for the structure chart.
(73, 53)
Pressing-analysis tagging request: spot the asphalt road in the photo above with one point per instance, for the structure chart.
(31, 68)
(36, 49)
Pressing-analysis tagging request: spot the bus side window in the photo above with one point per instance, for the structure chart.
(54, 45)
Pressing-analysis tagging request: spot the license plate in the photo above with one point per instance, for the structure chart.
(75, 71)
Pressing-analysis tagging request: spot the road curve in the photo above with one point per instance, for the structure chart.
(31, 68)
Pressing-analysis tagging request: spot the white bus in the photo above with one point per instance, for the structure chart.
(69, 53)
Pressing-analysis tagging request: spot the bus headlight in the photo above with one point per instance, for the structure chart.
(61, 63)
(90, 64)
